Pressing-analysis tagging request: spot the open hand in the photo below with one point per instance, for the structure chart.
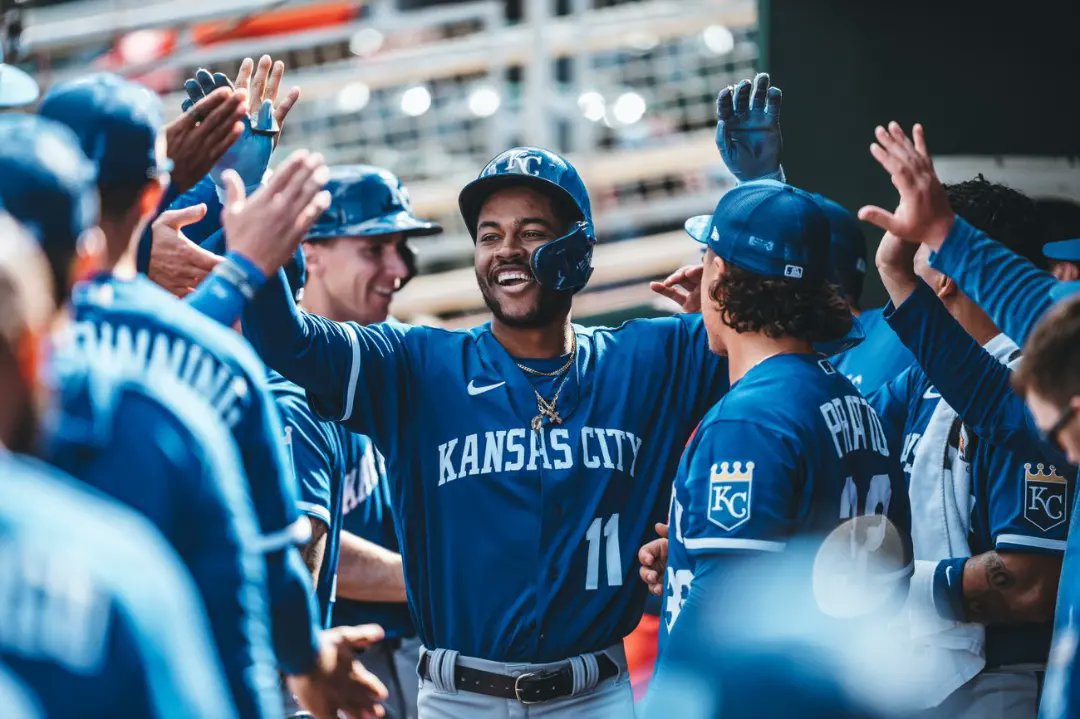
(653, 557)
(923, 214)
(683, 286)
(197, 139)
(176, 263)
(262, 84)
(267, 227)
(339, 681)
(748, 129)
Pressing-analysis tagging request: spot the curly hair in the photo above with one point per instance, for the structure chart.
(1051, 365)
(780, 307)
(1007, 215)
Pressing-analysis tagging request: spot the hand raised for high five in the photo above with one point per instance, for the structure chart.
(197, 140)
(262, 84)
(267, 227)
(748, 129)
(923, 214)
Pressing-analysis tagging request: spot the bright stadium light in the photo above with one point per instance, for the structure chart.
(629, 107)
(718, 39)
(591, 104)
(416, 101)
(484, 101)
(353, 97)
(365, 41)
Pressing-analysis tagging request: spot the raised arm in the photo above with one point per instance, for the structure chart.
(1011, 290)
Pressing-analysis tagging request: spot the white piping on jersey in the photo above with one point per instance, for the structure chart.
(354, 372)
(296, 533)
(760, 545)
(315, 510)
(1025, 541)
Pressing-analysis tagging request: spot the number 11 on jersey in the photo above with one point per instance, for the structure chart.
(612, 558)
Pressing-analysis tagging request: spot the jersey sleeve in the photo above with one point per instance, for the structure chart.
(974, 384)
(1028, 499)
(1007, 286)
(352, 374)
(740, 491)
(311, 454)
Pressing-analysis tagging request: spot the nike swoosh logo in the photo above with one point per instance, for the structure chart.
(473, 390)
(932, 393)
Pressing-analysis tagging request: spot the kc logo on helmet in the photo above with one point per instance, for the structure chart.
(729, 494)
(521, 161)
(1046, 497)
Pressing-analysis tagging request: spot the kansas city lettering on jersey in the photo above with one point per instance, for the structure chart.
(146, 350)
(516, 450)
(51, 610)
(854, 425)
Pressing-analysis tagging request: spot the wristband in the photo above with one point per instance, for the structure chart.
(242, 273)
(949, 588)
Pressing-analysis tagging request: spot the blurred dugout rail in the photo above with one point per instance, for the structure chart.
(626, 89)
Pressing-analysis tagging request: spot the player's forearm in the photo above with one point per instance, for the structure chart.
(315, 550)
(1011, 587)
(1008, 287)
(224, 292)
(368, 572)
(970, 380)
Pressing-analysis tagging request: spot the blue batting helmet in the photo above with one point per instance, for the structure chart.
(565, 263)
(117, 122)
(46, 182)
(366, 201)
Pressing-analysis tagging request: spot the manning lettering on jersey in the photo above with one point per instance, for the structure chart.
(517, 449)
(147, 350)
(854, 425)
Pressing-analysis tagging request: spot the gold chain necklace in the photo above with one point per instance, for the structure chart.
(546, 408)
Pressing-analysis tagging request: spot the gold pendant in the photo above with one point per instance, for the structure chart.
(537, 423)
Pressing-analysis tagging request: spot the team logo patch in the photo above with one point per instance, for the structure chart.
(1046, 497)
(793, 271)
(729, 494)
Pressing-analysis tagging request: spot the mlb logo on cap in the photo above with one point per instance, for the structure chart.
(769, 228)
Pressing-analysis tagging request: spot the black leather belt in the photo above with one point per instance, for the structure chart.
(528, 688)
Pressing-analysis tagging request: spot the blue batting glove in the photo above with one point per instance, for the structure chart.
(748, 129)
(249, 156)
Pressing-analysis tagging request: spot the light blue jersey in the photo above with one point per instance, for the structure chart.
(141, 328)
(156, 447)
(880, 357)
(97, 616)
(518, 545)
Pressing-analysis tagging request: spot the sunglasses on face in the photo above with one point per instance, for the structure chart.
(1053, 433)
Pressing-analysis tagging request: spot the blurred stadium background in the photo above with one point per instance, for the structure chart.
(432, 89)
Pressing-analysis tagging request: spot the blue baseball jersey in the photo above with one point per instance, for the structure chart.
(1019, 494)
(343, 484)
(760, 473)
(1014, 292)
(518, 545)
(97, 616)
(880, 357)
(106, 429)
(139, 327)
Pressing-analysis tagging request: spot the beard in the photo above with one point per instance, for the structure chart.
(550, 305)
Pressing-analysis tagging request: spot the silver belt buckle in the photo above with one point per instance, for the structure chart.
(518, 690)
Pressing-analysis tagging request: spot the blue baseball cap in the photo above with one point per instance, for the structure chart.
(847, 247)
(1065, 250)
(769, 228)
(46, 182)
(1064, 289)
(117, 122)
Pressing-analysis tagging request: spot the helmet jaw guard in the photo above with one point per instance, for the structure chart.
(565, 263)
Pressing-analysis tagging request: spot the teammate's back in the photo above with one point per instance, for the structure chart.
(97, 618)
